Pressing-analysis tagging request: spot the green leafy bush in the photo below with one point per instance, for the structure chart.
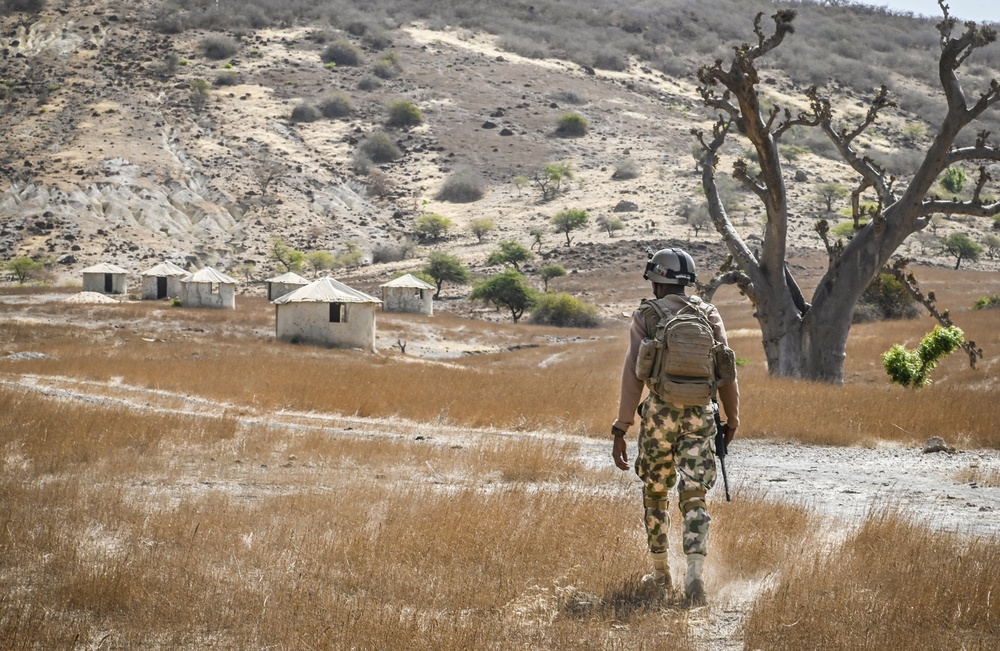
(341, 53)
(404, 114)
(508, 289)
(432, 226)
(563, 310)
(913, 368)
(509, 252)
(885, 299)
(953, 180)
(987, 302)
(572, 125)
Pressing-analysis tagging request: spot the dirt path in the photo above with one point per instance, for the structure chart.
(839, 483)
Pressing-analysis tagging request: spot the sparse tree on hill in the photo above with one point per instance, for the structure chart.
(23, 268)
(809, 339)
(567, 221)
(830, 192)
(286, 256)
(611, 224)
(537, 233)
(695, 215)
(266, 171)
(550, 178)
(550, 271)
(992, 244)
(245, 269)
(432, 226)
(321, 260)
(481, 227)
(508, 289)
(445, 268)
(962, 247)
(509, 252)
(199, 95)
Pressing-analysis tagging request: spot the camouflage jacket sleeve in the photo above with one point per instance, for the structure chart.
(632, 386)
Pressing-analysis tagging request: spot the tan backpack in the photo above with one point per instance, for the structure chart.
(682, 362)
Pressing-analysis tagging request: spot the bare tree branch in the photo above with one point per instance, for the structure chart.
(898, 270)
(731, 277)
(873, 174)
(959, 208)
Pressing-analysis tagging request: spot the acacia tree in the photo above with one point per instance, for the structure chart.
(809, 339)
(962, 247)
(507, 289)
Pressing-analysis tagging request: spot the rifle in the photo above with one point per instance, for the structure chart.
(720, 450)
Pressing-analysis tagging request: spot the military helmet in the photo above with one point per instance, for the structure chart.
(671, 267)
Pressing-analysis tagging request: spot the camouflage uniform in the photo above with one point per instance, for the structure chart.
(676, 446)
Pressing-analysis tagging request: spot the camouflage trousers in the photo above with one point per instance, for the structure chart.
(676, 447)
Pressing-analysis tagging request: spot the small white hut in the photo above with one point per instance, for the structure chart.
(328, 313)
(408, 294)
(208, 288)
(162, 281)
(105, 278)
(283, 284)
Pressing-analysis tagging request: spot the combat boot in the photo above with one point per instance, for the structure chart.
(660, 576)
(694, 584)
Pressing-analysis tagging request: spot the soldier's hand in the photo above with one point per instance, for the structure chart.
(619, 452)
(730, 433)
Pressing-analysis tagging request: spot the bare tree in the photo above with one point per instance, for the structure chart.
(266, 170)
(809, 340)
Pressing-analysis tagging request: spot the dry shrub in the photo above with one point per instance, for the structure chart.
(305, 112)
(336, 105)
(342, 53)
(379, 148)
(464, 185)
(891, 585)
(218, 46)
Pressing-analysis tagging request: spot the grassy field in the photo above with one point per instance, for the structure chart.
(442, 503)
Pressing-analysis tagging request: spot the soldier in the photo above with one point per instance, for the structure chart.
(676, 441)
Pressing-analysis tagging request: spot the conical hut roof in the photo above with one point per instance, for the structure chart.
(408, 281)
(326, 290)
(165, 268)
(209, 275)
(289, 278)
(104, 268)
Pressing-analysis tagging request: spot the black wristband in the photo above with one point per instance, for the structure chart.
(617, 431)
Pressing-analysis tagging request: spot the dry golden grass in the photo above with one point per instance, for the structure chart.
(134, 529)
(540, 378)
(891, 585)
(139, 532)
(983, 477)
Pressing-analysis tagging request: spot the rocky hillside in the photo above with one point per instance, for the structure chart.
(128, 144)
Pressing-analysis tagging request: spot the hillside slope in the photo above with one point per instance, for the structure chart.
(109, 156)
